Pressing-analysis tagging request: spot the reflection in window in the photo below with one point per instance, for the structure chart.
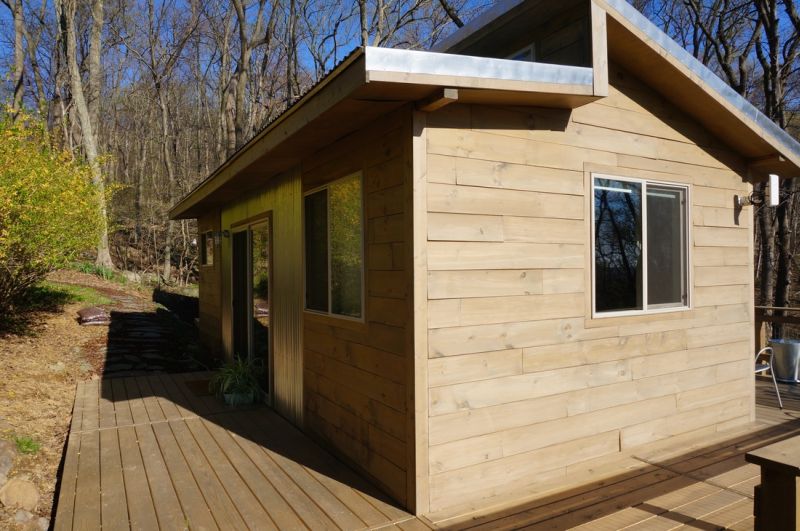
(334, 248)
(316, 227)
(207, 249)
(346, 245)
(618, 245)
(640, 249)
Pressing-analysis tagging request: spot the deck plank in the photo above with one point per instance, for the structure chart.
(198, 513)
(279, 451)
(295, 496)
(138, 411)
(196, 405)
(108, 417)
(69, 477)
(87, 494)
(165, 500)
(150, 400)
(122, 409)
(220, 504)
(279, 510)
(331, 473)
(112, 484)
(140, 503)
(174, 394)
(77, 409)
(247, 504)
(91, 405)
(171, 411)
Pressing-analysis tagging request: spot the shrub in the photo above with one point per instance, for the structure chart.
(49, 208)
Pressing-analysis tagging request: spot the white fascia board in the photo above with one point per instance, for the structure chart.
(427, 65)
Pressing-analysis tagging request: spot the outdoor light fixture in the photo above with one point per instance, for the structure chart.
(772, 194)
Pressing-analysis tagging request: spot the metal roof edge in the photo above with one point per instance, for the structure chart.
(413, 62)
(707, 76)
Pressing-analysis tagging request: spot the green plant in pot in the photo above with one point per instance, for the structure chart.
(236, 382)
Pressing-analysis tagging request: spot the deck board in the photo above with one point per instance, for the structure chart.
(140, 503)
(279, 510)
(87, 490)
(157, 452)
(236, 489)
(122, 409)
(112, 486)
(165, 500)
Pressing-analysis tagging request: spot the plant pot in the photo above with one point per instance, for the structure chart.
(238, 399)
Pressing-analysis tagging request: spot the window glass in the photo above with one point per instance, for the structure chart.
(334, 248)
(666, 246)
(207, 249)
(633, 272)
(618, 245)
(316, 236)
(525, 54)
(346, 246)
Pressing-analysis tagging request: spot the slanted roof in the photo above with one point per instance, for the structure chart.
(370, 83)
(650, 54)
(374, 81)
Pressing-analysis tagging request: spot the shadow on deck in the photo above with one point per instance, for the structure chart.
(157, 451)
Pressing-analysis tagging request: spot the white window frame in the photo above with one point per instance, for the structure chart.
(687, 219)
(329, 313)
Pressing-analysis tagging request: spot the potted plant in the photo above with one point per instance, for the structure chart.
(236, 382)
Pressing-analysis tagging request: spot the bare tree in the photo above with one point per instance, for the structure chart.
(66, 14)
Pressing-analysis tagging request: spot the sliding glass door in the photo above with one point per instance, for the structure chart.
(250, 287)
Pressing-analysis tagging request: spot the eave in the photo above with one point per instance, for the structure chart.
(371, 83)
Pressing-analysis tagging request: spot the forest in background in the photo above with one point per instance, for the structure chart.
(155, 94)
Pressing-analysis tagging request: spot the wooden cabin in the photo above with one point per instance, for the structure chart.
(483, 272)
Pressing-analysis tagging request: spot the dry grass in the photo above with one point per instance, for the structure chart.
(36, 400)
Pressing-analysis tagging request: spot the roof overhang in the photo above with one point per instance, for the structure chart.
(650, 54)
(370, 83)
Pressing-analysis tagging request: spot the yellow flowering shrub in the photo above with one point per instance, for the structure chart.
(49, 208)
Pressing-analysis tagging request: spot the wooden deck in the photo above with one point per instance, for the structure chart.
(158, 452)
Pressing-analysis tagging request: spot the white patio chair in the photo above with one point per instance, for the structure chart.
(764, 366)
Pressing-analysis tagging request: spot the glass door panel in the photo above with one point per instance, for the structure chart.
(260, 242)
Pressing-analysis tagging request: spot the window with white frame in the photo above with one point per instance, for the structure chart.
(640, 245)
(334, 261)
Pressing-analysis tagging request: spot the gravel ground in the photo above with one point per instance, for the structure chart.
(41, 367)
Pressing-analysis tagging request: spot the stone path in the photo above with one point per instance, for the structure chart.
(145, 337)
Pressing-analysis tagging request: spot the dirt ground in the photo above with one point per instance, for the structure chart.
(40, 369)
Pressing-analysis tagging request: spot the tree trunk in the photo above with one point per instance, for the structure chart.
(66, 13)
(167, 152)
(18, 76)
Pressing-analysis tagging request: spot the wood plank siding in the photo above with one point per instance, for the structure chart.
(526, 389)
(210, 286)
(356, 373)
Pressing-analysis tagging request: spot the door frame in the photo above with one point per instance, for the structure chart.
(246, 225)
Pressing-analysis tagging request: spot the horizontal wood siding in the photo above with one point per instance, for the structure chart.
(525, 388)
(210, 290)
(355, 373)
